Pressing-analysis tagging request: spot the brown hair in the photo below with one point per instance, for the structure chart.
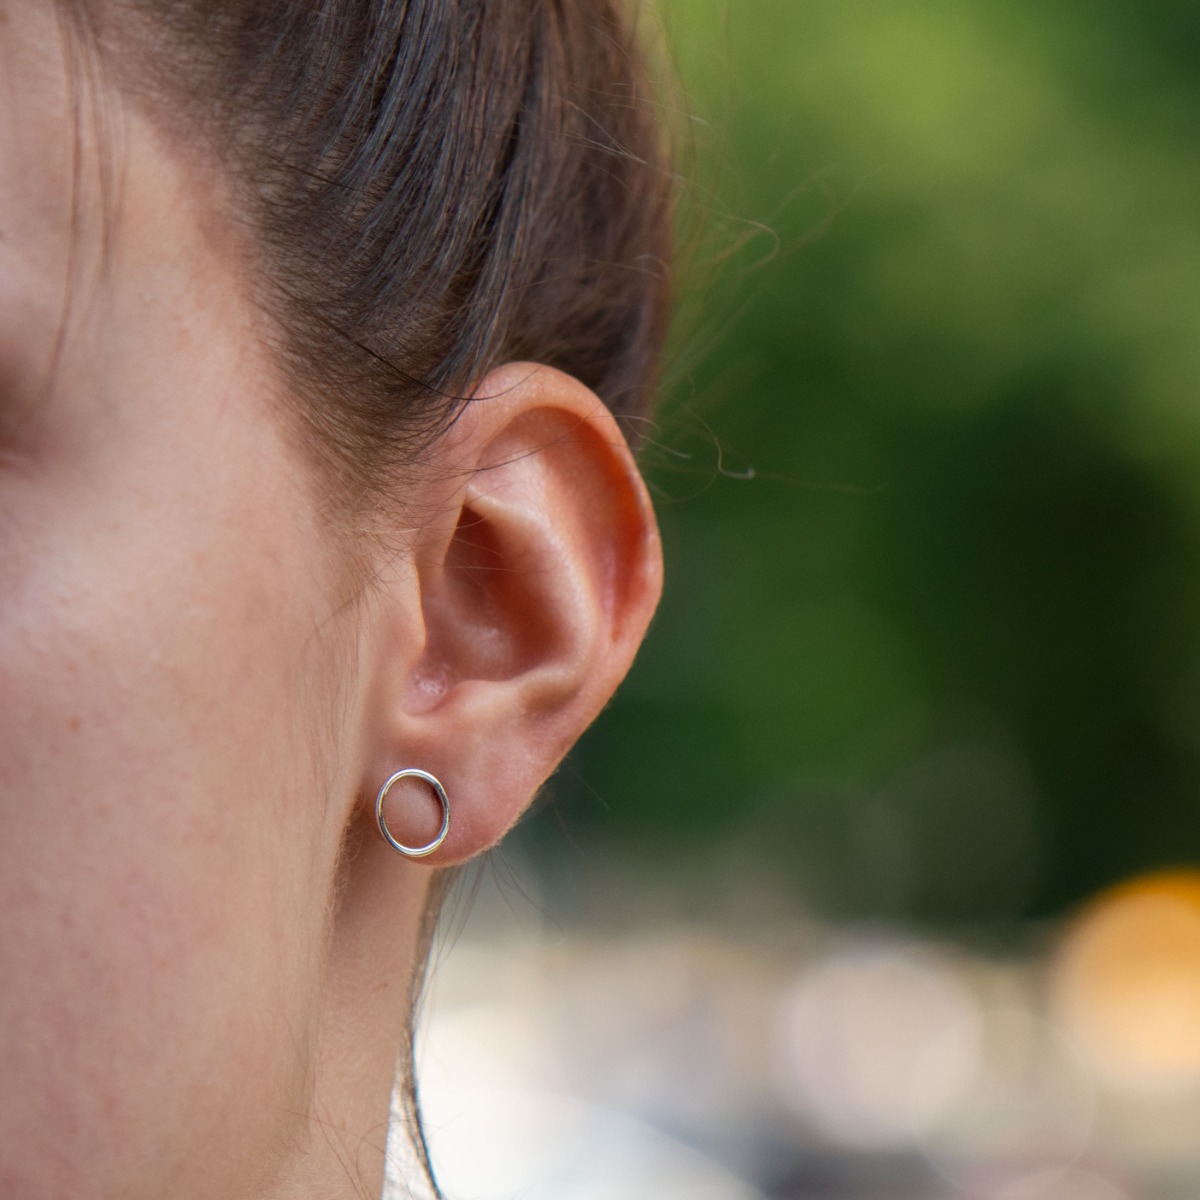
(431, 187)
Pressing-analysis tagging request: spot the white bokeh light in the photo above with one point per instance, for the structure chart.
(875, 1046)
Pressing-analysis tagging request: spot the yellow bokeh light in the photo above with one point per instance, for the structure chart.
(1126, 983)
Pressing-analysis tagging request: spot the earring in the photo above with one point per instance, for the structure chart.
(386, 833)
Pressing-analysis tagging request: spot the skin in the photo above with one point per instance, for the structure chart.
(205, 950)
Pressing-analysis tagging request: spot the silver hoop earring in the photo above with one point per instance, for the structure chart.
(386, 833)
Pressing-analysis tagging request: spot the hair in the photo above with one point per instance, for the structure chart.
(425, 189)
(428, 188)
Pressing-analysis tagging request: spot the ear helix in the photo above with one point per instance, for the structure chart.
(381, 822)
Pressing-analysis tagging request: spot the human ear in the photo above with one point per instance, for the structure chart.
(536, 580)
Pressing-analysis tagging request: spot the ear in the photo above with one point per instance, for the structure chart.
(536, 577)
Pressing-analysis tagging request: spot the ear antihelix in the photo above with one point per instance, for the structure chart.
(381, 823)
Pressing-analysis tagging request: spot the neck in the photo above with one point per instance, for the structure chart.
(364, 1032)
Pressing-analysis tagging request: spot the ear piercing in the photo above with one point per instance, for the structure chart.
(438, 791)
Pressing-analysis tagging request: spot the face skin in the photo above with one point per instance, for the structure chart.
(166, 619)
(204, 960)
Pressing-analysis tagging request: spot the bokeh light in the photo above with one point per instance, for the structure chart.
(876, 1046)
(1028, 1116)
(1127, 983)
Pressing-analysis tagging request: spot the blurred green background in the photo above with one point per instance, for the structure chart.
(938, 660)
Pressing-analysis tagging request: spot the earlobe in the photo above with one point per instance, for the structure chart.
(534, 596)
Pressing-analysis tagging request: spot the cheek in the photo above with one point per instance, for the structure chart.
(166, 856)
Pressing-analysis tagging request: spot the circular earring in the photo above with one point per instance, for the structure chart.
(386, 833)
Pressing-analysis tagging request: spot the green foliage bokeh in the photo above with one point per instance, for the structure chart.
(938, 659)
